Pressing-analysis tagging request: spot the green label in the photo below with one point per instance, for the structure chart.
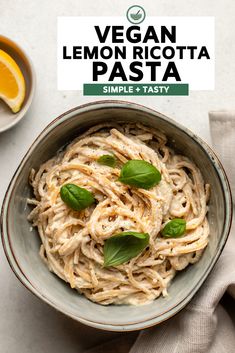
(125, 89)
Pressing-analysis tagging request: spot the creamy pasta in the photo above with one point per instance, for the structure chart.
(73, 241)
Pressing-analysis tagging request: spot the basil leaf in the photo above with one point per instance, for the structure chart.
(174, 228)
(107, 159)
(140, 174)
(75, 197)
(124, 246)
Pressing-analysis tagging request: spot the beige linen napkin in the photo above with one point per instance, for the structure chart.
(207, 324)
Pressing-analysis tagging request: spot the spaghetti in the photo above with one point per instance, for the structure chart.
(72, 241)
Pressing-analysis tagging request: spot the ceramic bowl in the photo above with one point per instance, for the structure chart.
(21, 244)
(7, 118)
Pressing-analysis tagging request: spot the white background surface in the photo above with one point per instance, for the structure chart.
(27, 324)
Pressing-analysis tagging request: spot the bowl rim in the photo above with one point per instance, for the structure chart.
(30, 97)
(103, 104)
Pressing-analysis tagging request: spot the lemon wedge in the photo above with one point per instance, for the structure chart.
(12, 83)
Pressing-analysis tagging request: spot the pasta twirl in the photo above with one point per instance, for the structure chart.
(72, 242)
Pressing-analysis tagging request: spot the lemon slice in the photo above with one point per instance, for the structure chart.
(12, 83)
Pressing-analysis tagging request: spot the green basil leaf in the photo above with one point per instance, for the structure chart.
(108, 159)
(75, 197)
(140, 174)
(124, 246)
(174, 228)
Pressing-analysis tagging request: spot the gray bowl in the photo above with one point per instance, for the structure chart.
(9, 119)
(22, 245)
